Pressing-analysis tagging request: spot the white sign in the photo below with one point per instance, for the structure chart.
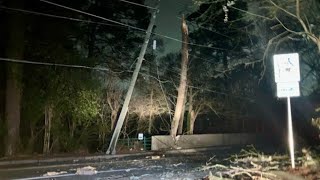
(140, 136)
(286, 67)
(288, 89)
(154, 45)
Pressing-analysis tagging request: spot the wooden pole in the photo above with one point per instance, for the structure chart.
(124, 110)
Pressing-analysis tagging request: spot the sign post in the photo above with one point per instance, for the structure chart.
(290, 134)
(287, 77)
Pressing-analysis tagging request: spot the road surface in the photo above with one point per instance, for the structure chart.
(174, 165)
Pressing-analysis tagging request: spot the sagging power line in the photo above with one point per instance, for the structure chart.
(52, 64)
(138, 4)
(127, 25)
(56, 16)
(23, 61)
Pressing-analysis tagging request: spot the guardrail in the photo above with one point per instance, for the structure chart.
(135, 143)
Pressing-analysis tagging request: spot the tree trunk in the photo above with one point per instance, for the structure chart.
(72, 127)
(190, 121)
(125, 128)
(150, 115)
(47, 128)
(183, 80)
(91, 41)
(139, 123)
(114, 114)
(13, 98)
(15, 49)
(180, 128)
(113, 100)
(30, 147)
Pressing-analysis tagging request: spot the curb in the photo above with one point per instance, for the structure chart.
(100, 157)
(196, 150)
(65, 159)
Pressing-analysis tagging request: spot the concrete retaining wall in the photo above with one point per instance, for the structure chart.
(203, 140)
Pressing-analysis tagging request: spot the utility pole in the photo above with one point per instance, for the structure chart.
(124, 110)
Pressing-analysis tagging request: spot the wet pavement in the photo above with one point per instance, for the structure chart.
(162, 166)
(176, 165)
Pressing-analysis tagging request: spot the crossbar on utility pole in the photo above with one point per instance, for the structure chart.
(124, 110)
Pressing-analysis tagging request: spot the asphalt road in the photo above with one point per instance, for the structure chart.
(174, 165)
(171, 165)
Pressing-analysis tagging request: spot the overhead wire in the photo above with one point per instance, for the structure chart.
(88, 21)
(68, 18)
(75, 19)
(201, 88)
(202, 27)
(23, 61)
(138, 4)
(56, 16)
(92, 15)
(52, 64)
(101, 23)
(127, 25)
(191, 44)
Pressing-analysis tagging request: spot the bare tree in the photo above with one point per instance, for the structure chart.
(146, 107)
(115, 92)
(151, 113)
(198, 105)
(307, 27)
(48, 115)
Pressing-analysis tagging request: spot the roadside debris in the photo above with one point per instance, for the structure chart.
(88, 170)
(176, 165)
(155, 157)
(251, 164)
(53, 173)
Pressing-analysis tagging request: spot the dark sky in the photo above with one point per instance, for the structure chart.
(168, 22)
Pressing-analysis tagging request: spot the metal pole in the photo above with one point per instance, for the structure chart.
(290, 133)
(124, 110)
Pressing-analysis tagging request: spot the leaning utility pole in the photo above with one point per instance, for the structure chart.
(124, 110)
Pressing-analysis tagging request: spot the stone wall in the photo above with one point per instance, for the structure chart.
(203, 140)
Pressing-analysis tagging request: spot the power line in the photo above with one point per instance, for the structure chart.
(72, 19)
(221, 93)
(92, 15)
(197, 57)
(199, 88)
(93, 22)
(53, 64)
(192, 44)
(56, 16)
(106, 69)
(127, 25)
(202, 27)
(77, 66)
(65, 65)
(137, 4)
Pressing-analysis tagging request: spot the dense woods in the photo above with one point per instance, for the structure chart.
(64, 75)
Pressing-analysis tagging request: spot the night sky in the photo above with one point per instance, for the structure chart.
(168, 22)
